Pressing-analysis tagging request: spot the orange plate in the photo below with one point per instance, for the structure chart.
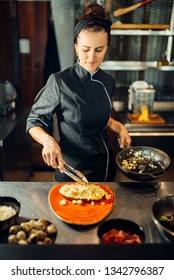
(84, 214)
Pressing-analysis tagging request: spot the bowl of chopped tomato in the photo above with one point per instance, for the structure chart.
(120, 231)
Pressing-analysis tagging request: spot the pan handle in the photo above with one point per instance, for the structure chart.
(162, 173)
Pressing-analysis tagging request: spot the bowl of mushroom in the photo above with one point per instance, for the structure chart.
(34, 231)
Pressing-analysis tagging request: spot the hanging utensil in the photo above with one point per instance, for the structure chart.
(122, 11)
(108, 6)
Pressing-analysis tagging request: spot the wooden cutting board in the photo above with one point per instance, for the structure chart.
(153, 119)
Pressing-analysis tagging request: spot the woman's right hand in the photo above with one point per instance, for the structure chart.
(51, 151)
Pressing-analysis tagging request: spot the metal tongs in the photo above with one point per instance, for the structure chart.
(74, 174)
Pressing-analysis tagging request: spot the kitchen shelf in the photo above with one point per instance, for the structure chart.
(158, 106)
(142, 29)
(140, 26)
(113, 65)
(166, 68)
(142, 32)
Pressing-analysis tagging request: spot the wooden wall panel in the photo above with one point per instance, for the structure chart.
(32, 21)
(6, 53)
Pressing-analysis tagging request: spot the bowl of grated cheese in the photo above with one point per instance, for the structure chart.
(9, 211)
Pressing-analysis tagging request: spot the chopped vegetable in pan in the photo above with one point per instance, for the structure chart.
(140, 164)
(168, 221)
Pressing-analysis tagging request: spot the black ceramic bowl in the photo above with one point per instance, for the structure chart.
(163, 206)
(15, 204)
(127, 226)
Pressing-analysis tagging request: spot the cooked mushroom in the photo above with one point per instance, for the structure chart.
(26, 226)
(23, 242)
(40, 225)
(48, 240)
(41, 235)
(51, 229)
(12, 239)
(21, 235)
(33, 238)
(14, 229)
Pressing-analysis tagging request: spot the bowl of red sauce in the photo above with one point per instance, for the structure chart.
(120, 231)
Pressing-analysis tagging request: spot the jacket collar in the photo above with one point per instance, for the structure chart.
(83, 73)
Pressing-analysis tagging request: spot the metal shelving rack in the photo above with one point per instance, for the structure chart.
(112, 65)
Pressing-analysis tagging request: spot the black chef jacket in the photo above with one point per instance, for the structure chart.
(82, 103)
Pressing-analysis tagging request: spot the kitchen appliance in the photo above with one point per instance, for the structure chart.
(8, 97)
(140, 94)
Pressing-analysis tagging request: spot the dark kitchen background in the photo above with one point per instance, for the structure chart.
(37, 39)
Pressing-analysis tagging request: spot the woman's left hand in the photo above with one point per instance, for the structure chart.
(120, 129)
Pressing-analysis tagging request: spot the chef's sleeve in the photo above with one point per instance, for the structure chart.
(45, 104)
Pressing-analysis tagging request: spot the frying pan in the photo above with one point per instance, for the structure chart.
(151, 163)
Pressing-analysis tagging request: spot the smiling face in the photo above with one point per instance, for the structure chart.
(91, 48)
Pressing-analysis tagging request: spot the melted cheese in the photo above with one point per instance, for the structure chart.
(82, 191)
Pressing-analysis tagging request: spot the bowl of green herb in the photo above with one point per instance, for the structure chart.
(163, 216)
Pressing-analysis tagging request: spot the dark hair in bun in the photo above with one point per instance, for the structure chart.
(95, 10)
(93, 19)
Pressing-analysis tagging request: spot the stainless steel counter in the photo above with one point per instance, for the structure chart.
(133, 201)
(166, 129)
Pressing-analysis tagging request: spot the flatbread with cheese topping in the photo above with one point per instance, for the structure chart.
(86, 192)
